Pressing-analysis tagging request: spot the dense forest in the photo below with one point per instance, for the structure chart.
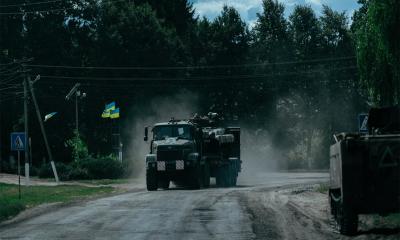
(290, 82)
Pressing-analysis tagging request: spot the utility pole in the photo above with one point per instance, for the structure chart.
(76, 113)
(39, 116)
(78, 95)
(1, 142)
(25, 83)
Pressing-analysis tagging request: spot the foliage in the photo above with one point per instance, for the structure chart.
(32, 196)
(271, 37)
(378, 50)
(102, 167)
(63, 171)
(322, 188)
(79, 148)
(305, 32)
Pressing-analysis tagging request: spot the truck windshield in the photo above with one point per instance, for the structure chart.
(175, 131)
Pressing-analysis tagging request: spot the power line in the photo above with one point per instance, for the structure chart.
(49, 10)
(7, 64)
(10, 79)
(9, 72)
(194, 67)
(29, 4)
(37, 11)
(194, 78)
(10, 87)
(21, 61)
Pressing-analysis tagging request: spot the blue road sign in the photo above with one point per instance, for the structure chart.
(363, 123)
(18, 141)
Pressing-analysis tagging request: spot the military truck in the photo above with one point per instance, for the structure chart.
(190, 152)
(365, 170)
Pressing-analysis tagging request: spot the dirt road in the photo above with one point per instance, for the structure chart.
(270, 206)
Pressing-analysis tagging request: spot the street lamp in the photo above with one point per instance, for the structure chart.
(78, 95)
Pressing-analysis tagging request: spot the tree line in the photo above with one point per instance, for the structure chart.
(295, 80)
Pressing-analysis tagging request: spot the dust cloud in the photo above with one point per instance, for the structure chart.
(258, 154)
(180, 106)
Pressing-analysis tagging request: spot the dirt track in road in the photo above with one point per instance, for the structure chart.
(272, 206)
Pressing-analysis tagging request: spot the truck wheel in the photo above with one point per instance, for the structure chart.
(233, 175)
(151, 180)
(229, 175)
(346, 220)
(206, 175)
(223, 176)
(218, 178)
(165, 184)
(198, 178)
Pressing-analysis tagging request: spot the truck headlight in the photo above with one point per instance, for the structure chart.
(193, 156)
(151, 160)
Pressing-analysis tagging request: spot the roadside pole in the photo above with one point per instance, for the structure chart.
(18, 144)
(19, 176)
(1, 141)
(30, 151)
(76, 114)
(39, 116)
(26, 79)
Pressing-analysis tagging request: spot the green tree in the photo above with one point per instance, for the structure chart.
(335, 34)
(132, 35)
(306, 36)
(305, 32)
(230, 38)
(229, 46)
(271, 38)
(378, 50)
(178, 14)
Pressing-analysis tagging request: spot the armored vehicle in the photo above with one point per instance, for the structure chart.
(191, 151)
(365, 170)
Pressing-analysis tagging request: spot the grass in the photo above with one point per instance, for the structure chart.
(105, 181)
(394, 219)
(32, 196)
(322, 188)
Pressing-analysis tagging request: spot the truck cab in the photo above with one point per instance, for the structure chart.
(174, 154)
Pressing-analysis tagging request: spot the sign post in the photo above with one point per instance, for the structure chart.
(363, 123)
(18, 143)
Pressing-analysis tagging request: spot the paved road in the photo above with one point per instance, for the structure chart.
(254, 210)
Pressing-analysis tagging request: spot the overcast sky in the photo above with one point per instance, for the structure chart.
(248, 9)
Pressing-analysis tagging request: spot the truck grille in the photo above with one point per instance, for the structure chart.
(170, 155)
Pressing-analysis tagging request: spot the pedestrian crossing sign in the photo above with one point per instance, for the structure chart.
(363, 123)
(18, 141)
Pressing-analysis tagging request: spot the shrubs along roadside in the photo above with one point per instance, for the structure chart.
(84, 166)
(103, 167)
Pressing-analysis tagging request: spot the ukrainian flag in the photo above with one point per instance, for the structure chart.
(114, 113)
(105, 114)
(110, 106)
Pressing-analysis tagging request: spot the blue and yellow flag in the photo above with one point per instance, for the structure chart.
(114, 113)
(105, 114)
(110, 106)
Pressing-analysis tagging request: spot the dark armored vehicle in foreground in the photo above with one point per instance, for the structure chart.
(189, 152)
(365, 170)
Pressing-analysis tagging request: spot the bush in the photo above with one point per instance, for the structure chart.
(8, 168)
(78, 174)
(78, 146)
(102, 167)
(63, 171)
